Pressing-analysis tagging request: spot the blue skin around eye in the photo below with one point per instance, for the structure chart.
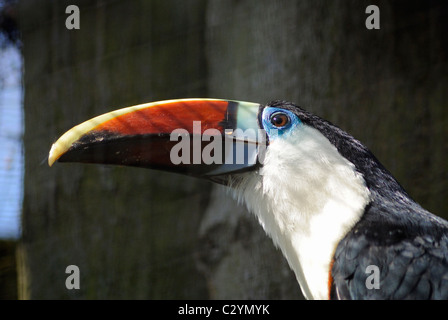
(273, 131)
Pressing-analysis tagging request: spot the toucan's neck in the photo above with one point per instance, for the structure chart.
(307, 197)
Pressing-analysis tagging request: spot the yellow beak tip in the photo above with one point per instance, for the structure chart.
(53, 155)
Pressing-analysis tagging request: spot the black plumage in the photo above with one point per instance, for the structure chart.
(413, 264)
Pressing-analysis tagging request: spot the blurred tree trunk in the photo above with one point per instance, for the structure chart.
(146, 234)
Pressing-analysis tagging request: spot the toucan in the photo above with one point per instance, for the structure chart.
(345, 225)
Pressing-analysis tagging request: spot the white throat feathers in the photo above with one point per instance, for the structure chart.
(306, 196)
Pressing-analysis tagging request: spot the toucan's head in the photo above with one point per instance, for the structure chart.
(278, 144)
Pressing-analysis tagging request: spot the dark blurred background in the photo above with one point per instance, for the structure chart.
(142, 234)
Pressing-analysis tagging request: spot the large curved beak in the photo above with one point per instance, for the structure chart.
(200, 137)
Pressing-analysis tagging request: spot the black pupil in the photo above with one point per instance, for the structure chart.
(279, 120)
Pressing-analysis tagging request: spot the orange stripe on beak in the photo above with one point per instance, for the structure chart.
(165, 118)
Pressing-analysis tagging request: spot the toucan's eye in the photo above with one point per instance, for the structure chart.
(279, 119)
(279, 122)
